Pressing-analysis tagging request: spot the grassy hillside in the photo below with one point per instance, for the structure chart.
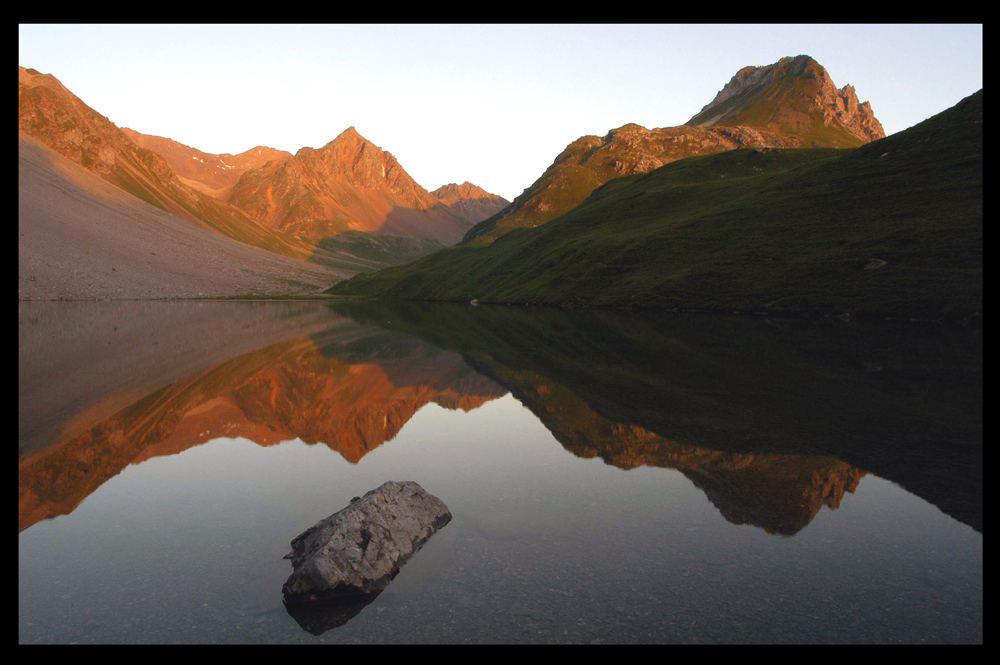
(590, 161)
(792, 103)
(890, 228)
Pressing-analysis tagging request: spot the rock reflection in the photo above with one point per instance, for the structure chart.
(317, 618)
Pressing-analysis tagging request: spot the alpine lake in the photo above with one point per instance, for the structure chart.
(614, 478)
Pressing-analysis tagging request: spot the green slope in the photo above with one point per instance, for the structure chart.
(792, 103)
(890, 228)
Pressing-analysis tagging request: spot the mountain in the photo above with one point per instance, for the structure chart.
(81, 237)
(53, 115)
(319, 198)
(591, 161)
(792, 103)
(794, 97)
(211, 174)
(470, 201)
(892, 228)
(350, 184)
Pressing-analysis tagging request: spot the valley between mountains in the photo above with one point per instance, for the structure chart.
(782, 195)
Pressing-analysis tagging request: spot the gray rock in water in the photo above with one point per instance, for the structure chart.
(359, 549)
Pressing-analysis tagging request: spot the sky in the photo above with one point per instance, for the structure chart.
(491, 104)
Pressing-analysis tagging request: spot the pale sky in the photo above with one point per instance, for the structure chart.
(490, 104)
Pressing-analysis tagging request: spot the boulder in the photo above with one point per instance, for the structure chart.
(354, 553)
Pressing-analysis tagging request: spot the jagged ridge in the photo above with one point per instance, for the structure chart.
(348, 184)
(790, 104)
(797, 98)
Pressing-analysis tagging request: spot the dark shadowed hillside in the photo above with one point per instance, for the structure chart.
(892, 228)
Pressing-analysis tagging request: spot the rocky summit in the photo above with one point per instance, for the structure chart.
(350, 184)
(792, 103)
(470, 201)
(797, 98)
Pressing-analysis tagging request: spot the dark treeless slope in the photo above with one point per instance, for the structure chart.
(789, 104)
(80, 237)
(891, 228)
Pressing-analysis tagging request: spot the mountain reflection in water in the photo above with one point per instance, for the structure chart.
(771, 419)
(349, 387)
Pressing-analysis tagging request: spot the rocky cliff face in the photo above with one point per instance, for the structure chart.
(348, 184)
(796, 97)
(790, 104)
(52, 114)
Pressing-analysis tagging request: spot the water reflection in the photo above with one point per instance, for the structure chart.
(321, 617)
(771, 420)
(588, 475)
(898, 399)
(348, 387)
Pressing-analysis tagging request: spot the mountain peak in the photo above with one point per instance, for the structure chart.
(350, 134)
(26, 74)
(470, 200)
(791, 103)
(466, 190)
(351, 184)
(795, 97)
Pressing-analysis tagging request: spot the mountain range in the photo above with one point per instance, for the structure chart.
(889, 227)
(781, 195)
(294, 206)
(790, 104)
(352, 388)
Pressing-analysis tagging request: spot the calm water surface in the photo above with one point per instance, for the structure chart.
(612, 479)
